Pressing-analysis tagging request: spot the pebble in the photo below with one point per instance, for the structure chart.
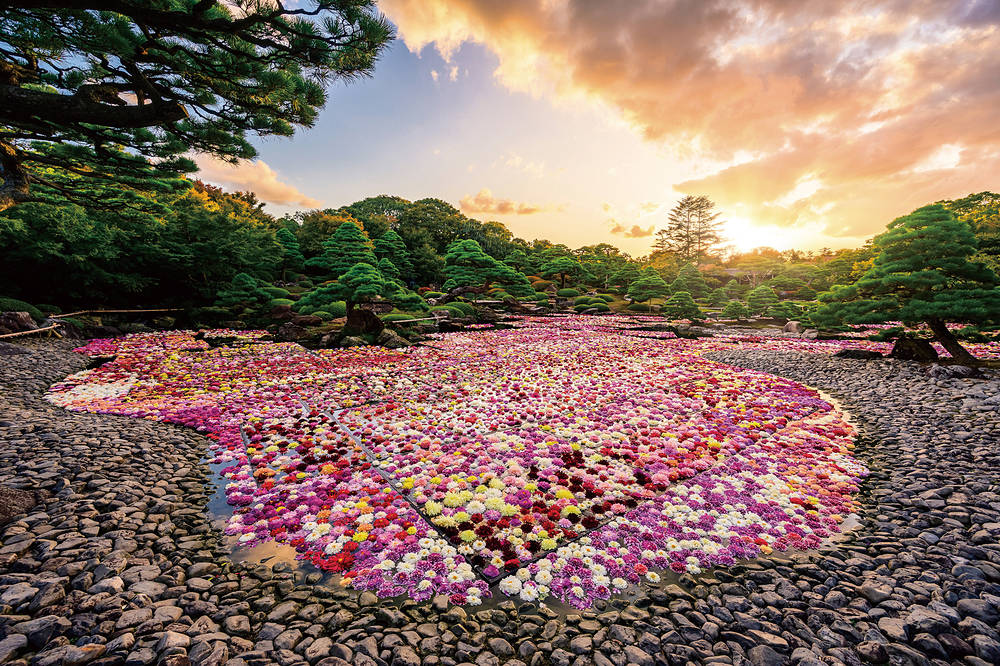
(119, 564)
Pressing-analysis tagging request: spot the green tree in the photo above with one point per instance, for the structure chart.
(625, 275)
(760, 299)
(680, 305)
(649, 285)
(316, 226)
(518, 260)
(717, 297)
(388, 270)
(692, 230)
(390, 246)
(563, 268)
(921, 272)
(466, 265)
(96, 92)
(347, 247)
(243, 295)
(734, 289)
(693, 281)
(982, 212)
(735, 310)
(291, 254)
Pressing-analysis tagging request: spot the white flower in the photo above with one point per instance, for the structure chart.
(510, 585)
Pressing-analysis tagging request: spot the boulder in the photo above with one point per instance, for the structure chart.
(16, 322)
(362, 320)
(289, 332)
(793, 327)
(810, 334)
(952, 371)
(352, 341)
(306, 320)
(391, 340)
(282, 312)
(909, 349)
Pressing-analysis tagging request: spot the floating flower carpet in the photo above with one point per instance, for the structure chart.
(565, 458)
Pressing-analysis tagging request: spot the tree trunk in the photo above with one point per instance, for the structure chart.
(950, 342)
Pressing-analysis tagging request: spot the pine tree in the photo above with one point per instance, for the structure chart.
(649, 285)
(735, 310)
(717, 297)
(625, 275)
(347, 247)
(681, 306)
(390, 246)
(563, 268)
(921, 272)
(467, 265)
(291, 253)
(122, 91)
(692, 229)
(734, 289)
(760, 299)
(243, 294)
(692, 280)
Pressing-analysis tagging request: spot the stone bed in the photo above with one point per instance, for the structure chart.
(118, 562)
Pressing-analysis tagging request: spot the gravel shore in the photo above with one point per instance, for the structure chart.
(117, 563)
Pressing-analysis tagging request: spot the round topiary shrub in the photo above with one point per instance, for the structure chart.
(276, 292)
(450, 309)
(337, 309)
(567, 293)
(275, 302)
(323, 314)
(541, 285)
(541, 296)
(466, 308)
(638, 307)
(397, 317)
(582, 300)
(607, 298)
(600, 306)
(432, 294)
(15, 305)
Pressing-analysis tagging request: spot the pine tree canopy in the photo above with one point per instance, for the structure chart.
(121, 90)
(921, 273)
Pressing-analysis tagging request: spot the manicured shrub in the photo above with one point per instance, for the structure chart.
(466, 308)
(582, 300)
(541, 296)
(450, 309)
(598, 305)
(541, 285)
(735, 310)
(432, 294)
(681, 306)
(607, 298)
(397, 317)
(275, 302)
(638, 307)
(276, 292)
(337, 309)
(49, 309)
(567, 293)
(323, 314)
(15, 305)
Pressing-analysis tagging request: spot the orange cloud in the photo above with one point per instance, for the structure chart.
(484, 202)
(842, 106)
(254, 176)
(635, 231)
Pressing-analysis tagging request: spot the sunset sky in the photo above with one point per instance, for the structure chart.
(811, 124)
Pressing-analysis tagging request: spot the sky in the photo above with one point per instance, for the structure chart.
(811, 123)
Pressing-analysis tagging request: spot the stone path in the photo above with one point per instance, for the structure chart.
(118, 564)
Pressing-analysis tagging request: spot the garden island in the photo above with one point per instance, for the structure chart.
(744, 411)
